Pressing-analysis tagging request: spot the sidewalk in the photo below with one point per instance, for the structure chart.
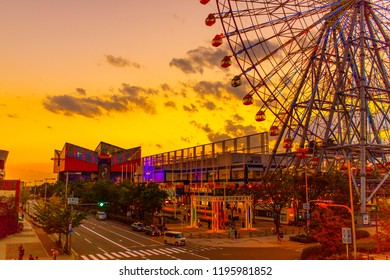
(35, 242)
(256, 237)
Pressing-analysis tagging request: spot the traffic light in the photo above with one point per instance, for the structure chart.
(102, 203)
(373, 207)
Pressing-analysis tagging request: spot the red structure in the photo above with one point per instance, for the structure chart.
(9, 200)
(106, 162)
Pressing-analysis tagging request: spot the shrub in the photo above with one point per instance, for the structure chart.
(360, 233)
(366, 246)
(315, 252)
(302, 238)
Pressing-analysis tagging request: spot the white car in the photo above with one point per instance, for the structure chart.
(374, 223)
(174, 237)
(101, 215)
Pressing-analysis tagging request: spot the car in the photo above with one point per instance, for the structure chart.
(174, 237)
(152, 230)
(100, 215)
(138, 226)
(374, 223)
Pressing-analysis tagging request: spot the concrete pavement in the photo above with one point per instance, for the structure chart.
(35, 242)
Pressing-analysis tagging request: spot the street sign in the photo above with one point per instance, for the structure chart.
(306, 206)
(346, 233)
(73, 200)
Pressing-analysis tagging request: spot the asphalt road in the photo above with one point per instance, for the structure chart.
(110, 240)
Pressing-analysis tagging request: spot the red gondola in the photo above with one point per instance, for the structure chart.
(217, 41)
(274, 130)
(226, 62)
(204, 2)
(210, 20)
(247, 100)
(260, 116)
(287, 143)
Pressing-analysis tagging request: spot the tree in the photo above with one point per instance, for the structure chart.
(325, 226)
(152, 198)
(56, 217)
(276, 192)
(382, 238)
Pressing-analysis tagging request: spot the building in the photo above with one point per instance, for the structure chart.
(9, 200)
(106, 162)
(203, 168)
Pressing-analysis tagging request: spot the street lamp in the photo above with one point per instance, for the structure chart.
(352, 217)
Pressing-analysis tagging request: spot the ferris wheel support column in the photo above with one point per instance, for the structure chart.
(363, 109)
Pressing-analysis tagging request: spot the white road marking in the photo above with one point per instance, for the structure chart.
(101, 256)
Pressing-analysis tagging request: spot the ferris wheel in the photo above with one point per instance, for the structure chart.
(318, 72)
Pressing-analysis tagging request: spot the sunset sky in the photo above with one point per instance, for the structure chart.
(117, 71)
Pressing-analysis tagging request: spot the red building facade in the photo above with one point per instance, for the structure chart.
(106, 162)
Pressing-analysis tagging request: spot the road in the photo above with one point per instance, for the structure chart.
(110, 240)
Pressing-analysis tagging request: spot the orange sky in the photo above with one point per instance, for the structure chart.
(116, 71)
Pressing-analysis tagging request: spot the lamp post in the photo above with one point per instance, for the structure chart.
(353, 222)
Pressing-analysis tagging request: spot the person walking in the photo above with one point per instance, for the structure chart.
(21, 252)
(235, 233)
(54, 253)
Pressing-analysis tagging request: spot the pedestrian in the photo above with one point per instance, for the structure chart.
(281, 236)
(235, 233)
(209, 224)
(54, 253)
(21, 252)
(231, 232)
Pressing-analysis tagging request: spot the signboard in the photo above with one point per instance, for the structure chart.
(306, 206)
(346, 233)
(73, 200)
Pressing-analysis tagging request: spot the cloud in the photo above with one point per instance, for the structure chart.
(170, 104)
(199, 59)
(218, 90)
(209, 105)
(120, 62)
(81, 91)
(191, 108)
(230, 130)
(130, 98)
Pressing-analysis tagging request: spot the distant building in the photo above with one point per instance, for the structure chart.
(106, 162)
(3, 160)
(203, 168)
(9, 200)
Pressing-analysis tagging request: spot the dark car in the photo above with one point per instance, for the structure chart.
(152, 231)
(138, 226)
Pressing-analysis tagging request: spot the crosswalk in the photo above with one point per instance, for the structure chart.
(143, 253)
